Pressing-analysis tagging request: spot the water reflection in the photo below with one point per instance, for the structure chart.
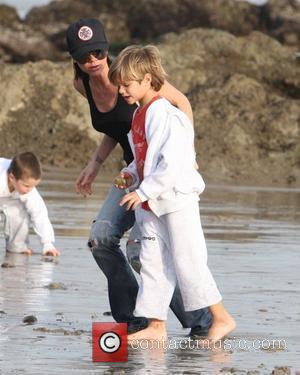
(253, 242)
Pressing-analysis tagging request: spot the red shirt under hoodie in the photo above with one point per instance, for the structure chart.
(140, 141)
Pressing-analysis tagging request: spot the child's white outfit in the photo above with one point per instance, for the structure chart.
(19, 210)
(173, 244)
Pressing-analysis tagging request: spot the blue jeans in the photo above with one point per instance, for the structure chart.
(108, 228)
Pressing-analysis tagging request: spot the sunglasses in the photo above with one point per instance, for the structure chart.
(98, 54)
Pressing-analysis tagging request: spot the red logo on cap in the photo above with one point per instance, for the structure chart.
(85, 33)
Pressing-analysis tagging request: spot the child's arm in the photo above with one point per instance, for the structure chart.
(131, 200)
(38, 213)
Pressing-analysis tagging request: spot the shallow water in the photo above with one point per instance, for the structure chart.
(253, 240)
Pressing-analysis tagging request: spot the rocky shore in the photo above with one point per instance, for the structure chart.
(235, 61)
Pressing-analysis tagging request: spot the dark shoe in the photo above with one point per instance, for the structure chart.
(197, 332)
(137, 324)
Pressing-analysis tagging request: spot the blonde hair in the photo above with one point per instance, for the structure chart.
(25, 165)
(134, 62)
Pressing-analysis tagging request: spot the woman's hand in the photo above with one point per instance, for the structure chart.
(132, 200)
(87, 176)
(123, 181)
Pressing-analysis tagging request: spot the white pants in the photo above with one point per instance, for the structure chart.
(173, 248)
(16, 225)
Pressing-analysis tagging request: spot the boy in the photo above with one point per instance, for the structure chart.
(164, 186)
(21, 203)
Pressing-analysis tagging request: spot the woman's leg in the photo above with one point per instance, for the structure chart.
(108, 228)
(133, 248)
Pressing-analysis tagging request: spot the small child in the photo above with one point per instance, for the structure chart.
(21, 203)
(164, 186)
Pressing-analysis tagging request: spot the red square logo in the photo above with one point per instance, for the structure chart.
(110, 342)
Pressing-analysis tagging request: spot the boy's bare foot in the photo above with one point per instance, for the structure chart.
(52, 252)
(154, 331)
(221, 328)
(26, 252)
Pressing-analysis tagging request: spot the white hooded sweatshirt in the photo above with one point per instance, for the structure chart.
(170, 176)
(34, 206)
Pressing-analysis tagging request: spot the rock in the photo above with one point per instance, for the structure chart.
(283, 370)
(30, 319)
(282, 20)
(7, 265)
(8, 15)
(231, 370)
(53, 19)
(128, 21)
(145, 22)
(63, 331)
(245, 94)
(39, 103)
(42, 34)
(54, 285)
(20, 43)
(203, 56)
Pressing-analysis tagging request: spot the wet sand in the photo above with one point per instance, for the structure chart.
(253, 238)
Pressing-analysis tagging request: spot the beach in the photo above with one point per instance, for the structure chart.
(253, 241)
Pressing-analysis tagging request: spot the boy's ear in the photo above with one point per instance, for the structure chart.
(11, 176)
(148, 78)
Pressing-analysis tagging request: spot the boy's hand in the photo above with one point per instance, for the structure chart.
(132, 200)
(52, 252)
(123, 181)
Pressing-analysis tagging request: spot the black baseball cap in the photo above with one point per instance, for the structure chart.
(85, 36)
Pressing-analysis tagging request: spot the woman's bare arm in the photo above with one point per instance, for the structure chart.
(88, 174)
(177, 98)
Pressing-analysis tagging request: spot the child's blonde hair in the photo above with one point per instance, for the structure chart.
(25, 165)
(134, 62)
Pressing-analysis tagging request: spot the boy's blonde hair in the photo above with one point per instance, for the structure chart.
(134, 62)
(25, 165)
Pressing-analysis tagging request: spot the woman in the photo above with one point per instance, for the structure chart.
(111, 115)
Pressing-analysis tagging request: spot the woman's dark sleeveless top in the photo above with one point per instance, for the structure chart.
(115, 123)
